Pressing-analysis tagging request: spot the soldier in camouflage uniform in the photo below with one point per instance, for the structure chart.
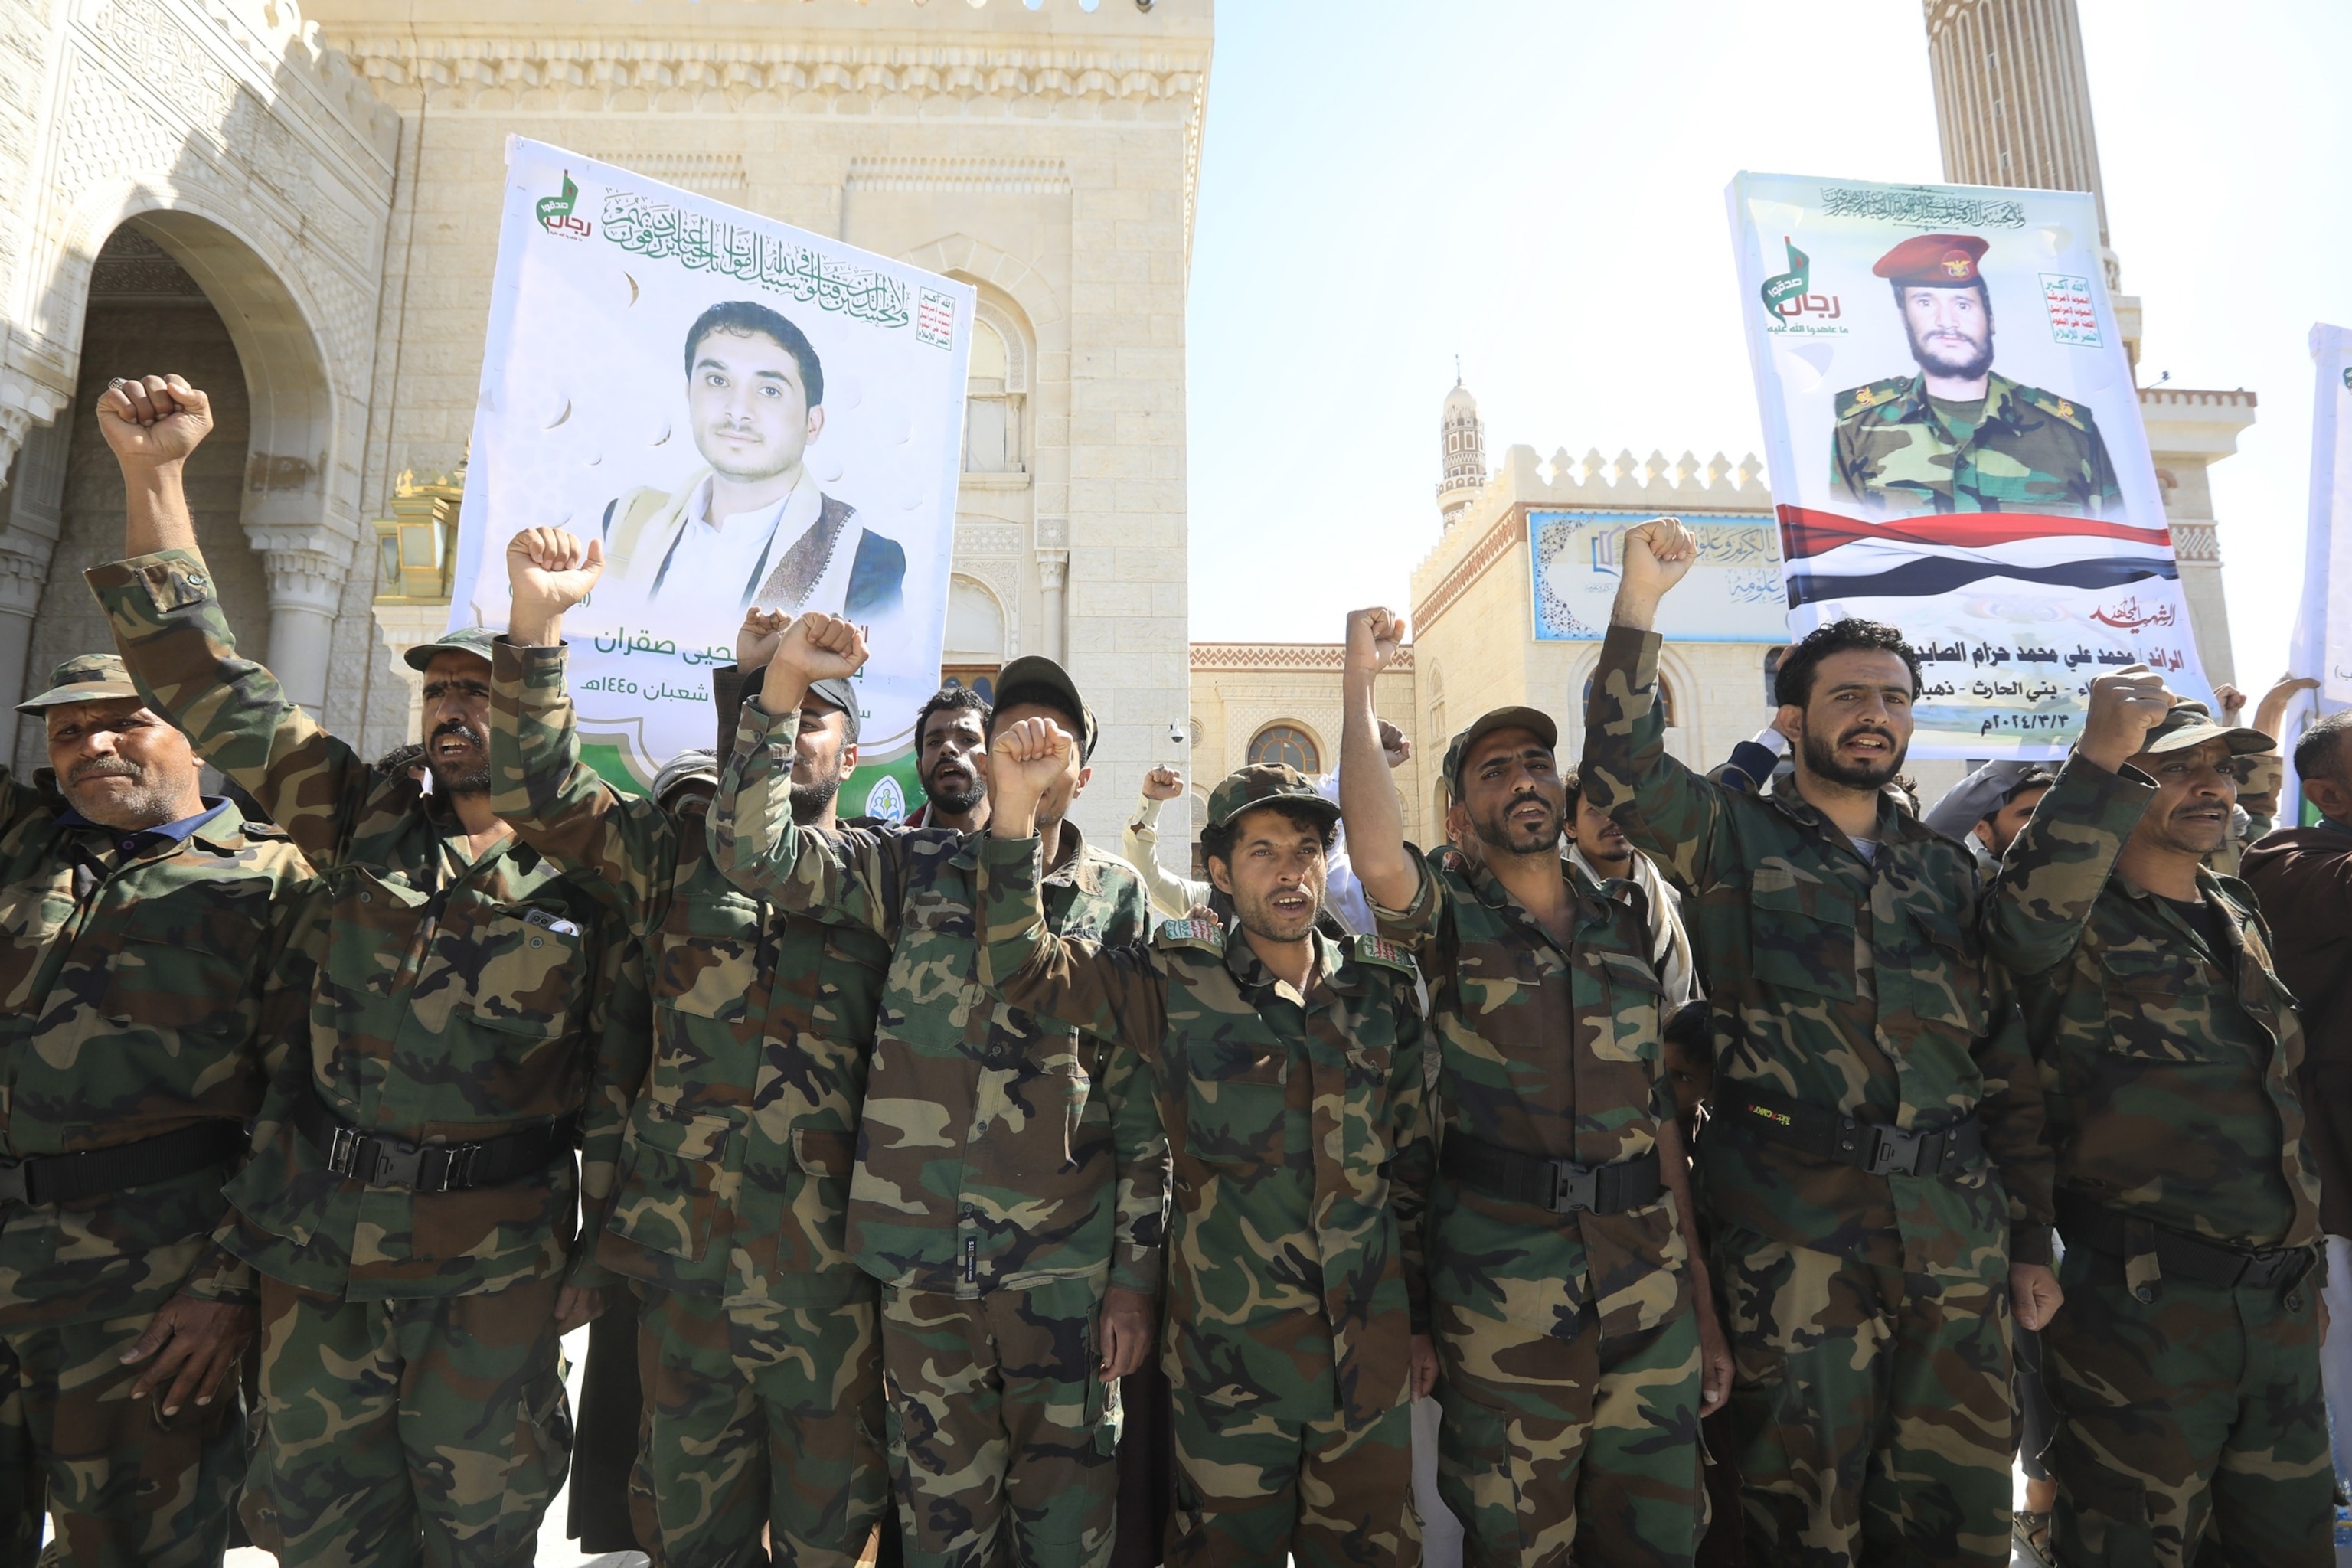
(151, 962)
(2185, 1362)
(762, 1366)
(1010, 1169)
(1874, 1167)
(1288, 1072)
(412, 1198)
(1958, 437)
(1569, 1299)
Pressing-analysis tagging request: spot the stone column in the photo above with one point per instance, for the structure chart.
(1053, 574)
(30, 513)
(306, 585)
(2012, 99)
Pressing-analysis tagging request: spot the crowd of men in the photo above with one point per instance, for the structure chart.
(1698, 1141)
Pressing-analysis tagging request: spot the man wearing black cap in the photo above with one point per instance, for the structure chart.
(1576, 1335)
(411, 1202)
(2185, 1362)
(1011, 1178)
(1956, 436)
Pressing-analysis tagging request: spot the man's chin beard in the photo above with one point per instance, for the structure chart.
(448, 780)
(957, 804)
(1260, 924)
(1932, 361)
(141, 806)
(1821, 760)
(810, 800)
(1505, 835)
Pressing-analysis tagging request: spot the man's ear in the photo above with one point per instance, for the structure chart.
(1983, 830)
(1218, 877)
(848, 758)
(817, 422)
(1790, 720)
(1079, 788)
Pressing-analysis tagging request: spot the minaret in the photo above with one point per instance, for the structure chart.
(2012, 99)
(1461, 445)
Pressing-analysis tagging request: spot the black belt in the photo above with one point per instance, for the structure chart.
(2095, 1228)
(40, 1179)
(1871, 1146)
(1563, 1186)
(379, 1162)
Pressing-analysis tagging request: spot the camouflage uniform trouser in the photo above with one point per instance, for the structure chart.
(431, 1430)
(1001, 1424)
(126, 1487)
(1873, 1410)
(761, 1415)
(1251, 1488)
(2195, 1416)
(1555, 1451)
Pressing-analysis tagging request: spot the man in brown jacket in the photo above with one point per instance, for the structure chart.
(2303, 878)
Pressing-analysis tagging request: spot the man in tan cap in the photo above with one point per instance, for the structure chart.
(2185, 1361)
(151, 963)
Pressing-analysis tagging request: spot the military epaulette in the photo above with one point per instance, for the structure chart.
(1379, 950)
(2050, 403)
(1207, 935)
(1856, 399)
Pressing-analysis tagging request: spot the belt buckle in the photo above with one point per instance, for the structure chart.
(342, 1150)
(1893, 1152)
(456, 1169)
(396, 1165)
(2264, 1267)
(13, 1188)
(1573, 1187)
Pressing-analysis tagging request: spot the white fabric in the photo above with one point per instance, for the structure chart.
(2336, 1354)
(726, 552)
(1171, 895)
(1670, 947)
(1441, 1532)
(1342, 893)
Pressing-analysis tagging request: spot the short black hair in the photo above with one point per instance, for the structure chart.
(1690, 1028)
(1984, 295)
(1792, 684)
(951, 699)
(1036, 694)
(1217, 843)
(1572, 779)
(2319, 754)
(746, 317)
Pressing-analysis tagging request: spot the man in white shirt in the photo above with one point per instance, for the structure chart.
(751, 527)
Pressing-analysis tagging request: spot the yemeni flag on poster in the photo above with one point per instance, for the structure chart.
(1956, 448)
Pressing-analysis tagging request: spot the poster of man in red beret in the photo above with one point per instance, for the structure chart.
(1955, 447)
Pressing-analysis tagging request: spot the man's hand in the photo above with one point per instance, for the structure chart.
(154, 420)
(756, 638)
(195, 1344)
(2124, 706)
(814, 647)
(1125, 1332)
(1026, 761)
(1375, 637)
(1424, 1362)
(2033, 1295)
(1162, 784)
(576, 1306)
(1651, 559)
(548, 571)
(2269, 714)
(1713, 1348)
(1396, 746)
(2231, 701)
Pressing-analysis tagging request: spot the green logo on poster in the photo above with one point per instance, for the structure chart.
(1777, 287)
(555, 212)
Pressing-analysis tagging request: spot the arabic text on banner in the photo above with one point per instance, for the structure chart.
(1956, 448)
(744, 412)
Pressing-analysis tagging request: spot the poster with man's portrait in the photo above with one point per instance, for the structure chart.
(1956, 450)
(745, 415)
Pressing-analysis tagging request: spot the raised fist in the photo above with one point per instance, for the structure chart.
(756, 638)
(822, 648)
(1026, 761)
(1375, 637)
(153, 420)
(2123, 707)
(549, 570)
(1655, 556)
(1162, 784)
(1396, 746)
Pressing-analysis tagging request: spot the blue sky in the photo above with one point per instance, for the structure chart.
(1536, 185)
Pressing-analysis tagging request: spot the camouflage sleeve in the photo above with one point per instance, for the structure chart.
(1412, 1130)
(170, 630)
(2103, 489)
(1663, 806)
(849, 875)
(2055, 869)
(2011, 1110)
(1140, 1151)
(1414, 926)
(1113, 991)
(621, 1028)
(623, 848)
(2258, 793)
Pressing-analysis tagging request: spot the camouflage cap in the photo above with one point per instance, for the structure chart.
(1035, 669)
(841, 694)
(2191, 724)
(1261, 784)
(1533, 719)
(474, 640)
(685, 768)
(86, 677)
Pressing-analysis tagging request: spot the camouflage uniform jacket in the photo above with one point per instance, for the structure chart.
(458, 999)
(735, 1167)
(2170, 1070)
(998, 1149)
(1551, 1052)
(2032, 451)
(1851, 984)
(147, 983)
(1295, 1132)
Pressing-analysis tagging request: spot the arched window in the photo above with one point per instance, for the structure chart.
(995, 390)
(1286, 744)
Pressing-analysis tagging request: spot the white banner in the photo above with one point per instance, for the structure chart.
(744, 412)
(1956, 448)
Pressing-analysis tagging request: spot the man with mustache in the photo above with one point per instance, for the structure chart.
(1874, 1167)
(2185, 1362)
(412, 1199)
(1288, 1067)
(154, 958)
(1960, 436)
(1576, 1336)
(950, 750)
